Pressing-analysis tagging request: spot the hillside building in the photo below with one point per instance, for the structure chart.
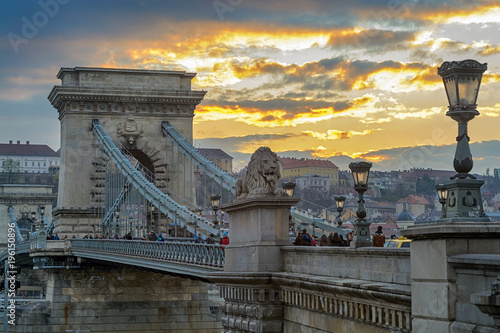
(30, 158)
(294, 167)
(416, 205)
(219, 158)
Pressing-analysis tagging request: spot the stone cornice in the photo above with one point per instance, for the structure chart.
(475, 261)
(369, 290)
(64, 70)
(26, 198)
(347, 251)
(389, 292)
(62, 94)
(453, 230)
(271, 201)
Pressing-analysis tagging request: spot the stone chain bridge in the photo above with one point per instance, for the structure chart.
(128, 166)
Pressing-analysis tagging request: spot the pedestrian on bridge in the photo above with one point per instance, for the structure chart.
(379, 237)
(303, 239)
(160, 238)
(199, 239)
(337, 241)
(324, 241)
(224, 240)
(211, 239)
(152, 236)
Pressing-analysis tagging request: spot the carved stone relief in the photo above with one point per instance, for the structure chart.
(130, 130)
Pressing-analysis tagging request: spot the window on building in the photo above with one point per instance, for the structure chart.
(38, 163)
(32, 163)
(25, 163)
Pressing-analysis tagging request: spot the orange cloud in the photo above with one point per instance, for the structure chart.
(336, 134)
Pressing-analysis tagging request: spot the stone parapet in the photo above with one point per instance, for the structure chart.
(370, 264)
(472, 230)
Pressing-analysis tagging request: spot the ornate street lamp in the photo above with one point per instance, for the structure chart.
(153, 218)
(289, 187)
(117, 215)
(42, 211)
(442, 192)
(339, 201)
(215, 198)
(462, 80)
(361, 234)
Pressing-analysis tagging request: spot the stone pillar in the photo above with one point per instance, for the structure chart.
(259, 227)
(440, 293)
(131, 106)
(111, 299)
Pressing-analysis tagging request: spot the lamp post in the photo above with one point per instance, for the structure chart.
(33, 219)
(462, 80)
(215, 198)
(42, 213)
(339, 202)
(361, 234)
(153, 218)
(442, 192)
(117, 216)
(289, 187)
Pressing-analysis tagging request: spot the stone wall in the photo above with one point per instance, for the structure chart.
(345, 290)
(475, 273)
(109, 299)
(370, 264)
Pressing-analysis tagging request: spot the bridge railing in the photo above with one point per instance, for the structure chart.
(183, 252)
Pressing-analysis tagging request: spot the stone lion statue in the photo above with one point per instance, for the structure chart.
(262, 175)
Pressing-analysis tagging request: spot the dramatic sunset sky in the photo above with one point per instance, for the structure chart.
(343, 80)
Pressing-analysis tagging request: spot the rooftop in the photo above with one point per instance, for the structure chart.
(27, 149)
(415, 199)
(214, 153)
(289, 163)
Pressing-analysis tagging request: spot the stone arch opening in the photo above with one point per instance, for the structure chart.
(143, 158)
(24, 225)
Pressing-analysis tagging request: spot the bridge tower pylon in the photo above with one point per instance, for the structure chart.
(131, 105)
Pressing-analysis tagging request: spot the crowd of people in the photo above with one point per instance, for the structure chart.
(152, 236)
(336, 239)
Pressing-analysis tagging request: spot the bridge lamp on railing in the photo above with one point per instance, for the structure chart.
(360, 173)
(442, 194)
(462, 80)
(42, 212)
(117, 221)
(289, 188)
(153, 218)
(215, 198)
(339, 202)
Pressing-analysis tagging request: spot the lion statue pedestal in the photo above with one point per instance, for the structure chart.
(259, 227)
(259, 217)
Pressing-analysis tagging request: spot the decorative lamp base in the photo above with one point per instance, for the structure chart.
(463, 202)
(361, 235)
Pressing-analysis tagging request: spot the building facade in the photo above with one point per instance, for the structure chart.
(219, 158)
(29, 158)
(416, 205)
(294, 167)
